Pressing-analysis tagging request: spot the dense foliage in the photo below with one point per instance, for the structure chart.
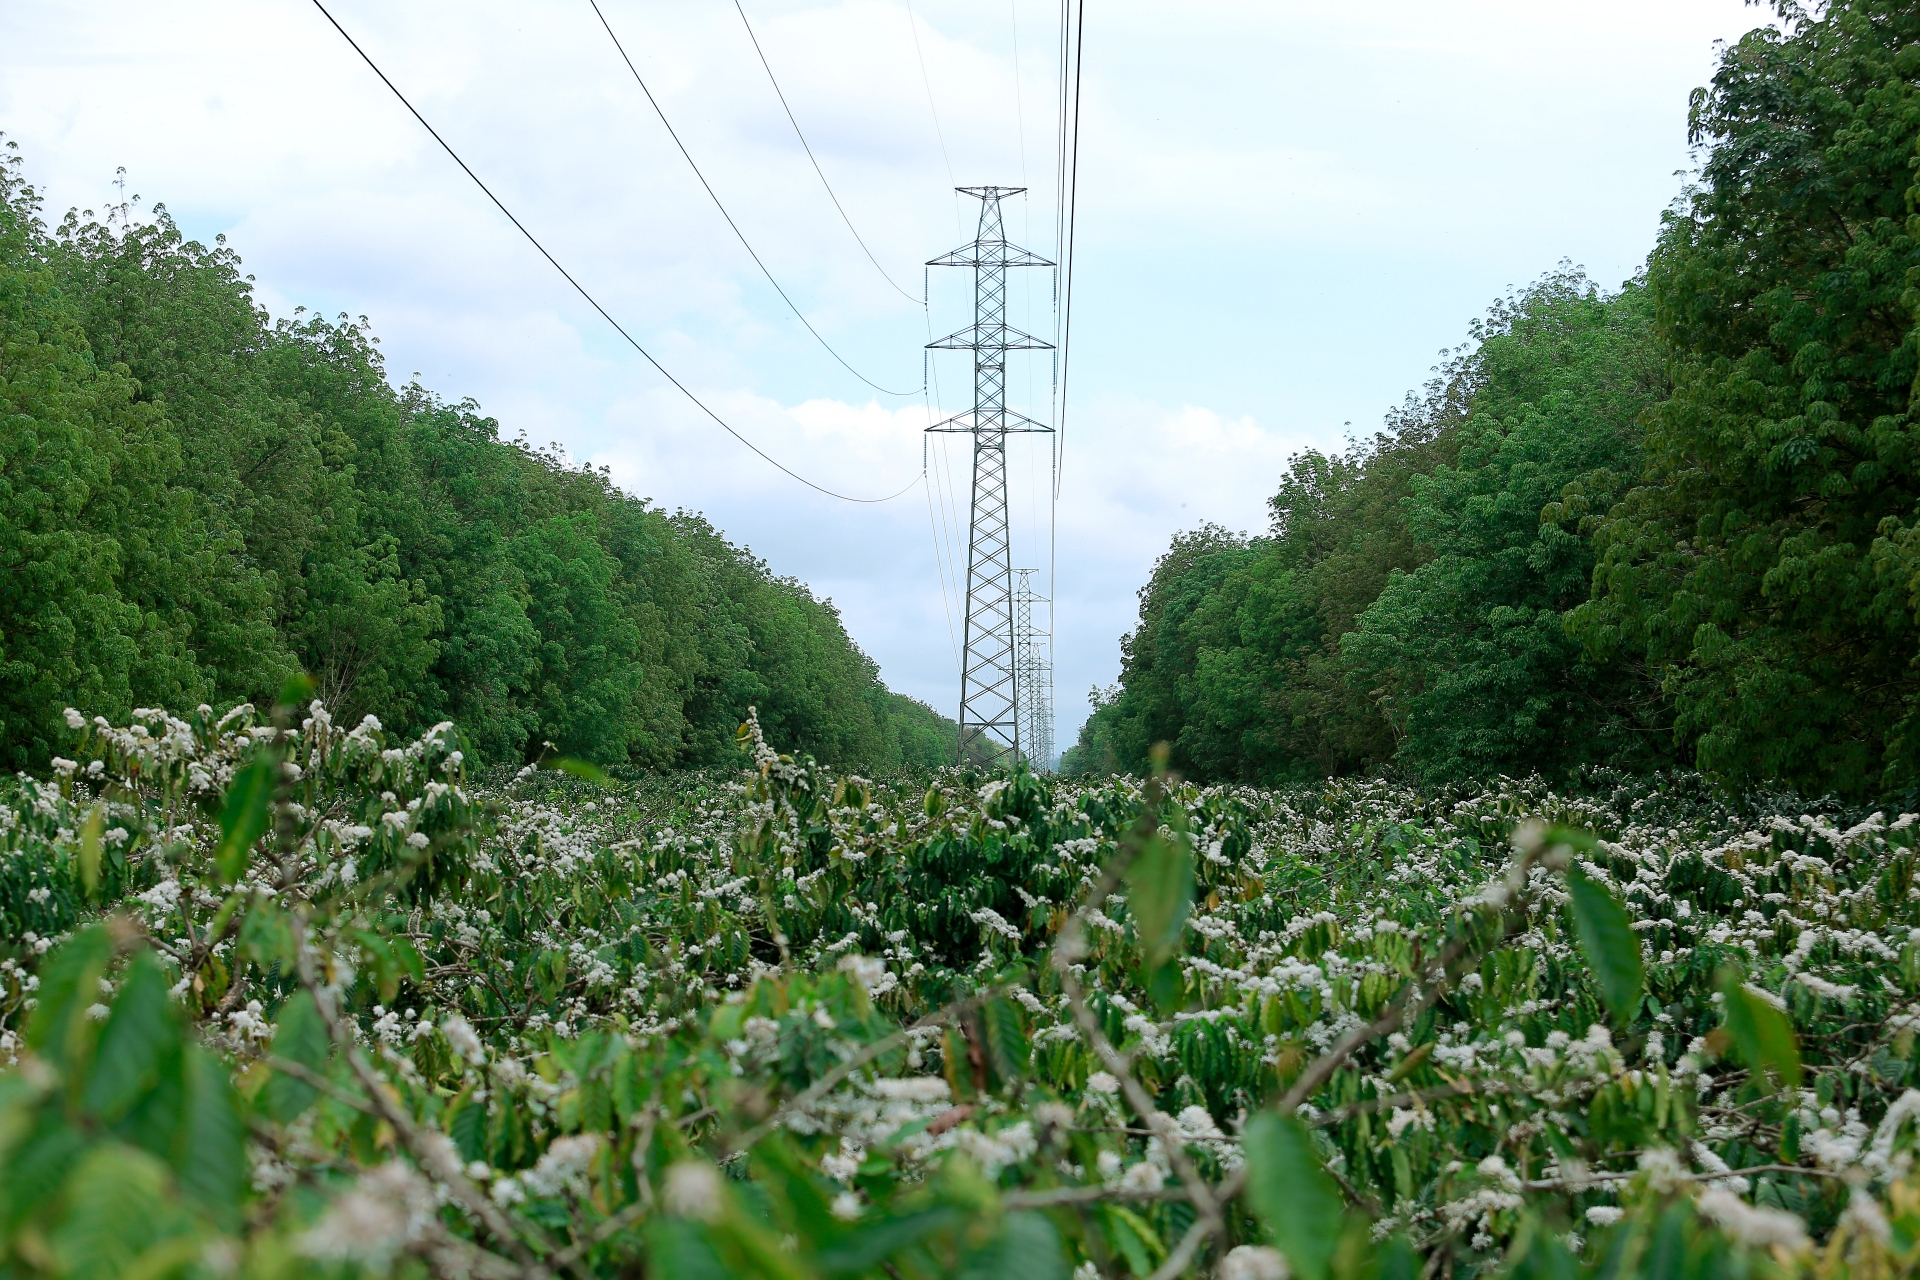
(281, 998)
(1407, 603)
(196, 501)
(1672, 524)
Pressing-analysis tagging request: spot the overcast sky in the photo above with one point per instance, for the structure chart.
(1286, 210)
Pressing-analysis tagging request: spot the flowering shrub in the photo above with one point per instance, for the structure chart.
(279, 997)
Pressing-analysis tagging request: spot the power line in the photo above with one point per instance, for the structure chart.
(582, 289)
(927, 80)
(1072, 211)
(729, 217)
(810, 156)
(939, 562)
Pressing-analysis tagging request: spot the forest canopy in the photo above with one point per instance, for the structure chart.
(197, 500)
(1676, 523)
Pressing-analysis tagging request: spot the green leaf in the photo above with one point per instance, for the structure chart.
(1761, 1034)
(209, 1149)
(678, 1248)
(1292, 1194)
(1165, 987)
(1008, 1052)
(60, 1029)
(266, 935)
(244, 819)
(1395, 1259)
(37, 1161)
(1160, 894)
(140, 1032)
(871, 1243)
(582, 769)
(119, 1220)
(1607, 941)
(296, 692)
(468, 1128)
(299, 1036)
(1025, 1248)
(90, 848)
(1133, 1239)
(407, 957)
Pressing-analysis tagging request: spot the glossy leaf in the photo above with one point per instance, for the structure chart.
(681, 1249)
(869, 1244)
(1761, 1033)
(1160, 895)
(60, 1027)
(208, 1150)
(142, 1030)
(299, 1036)
(243, 819)
(1025, 1248)
(1607, 941)
(584, 769)
(1291, 1193)
(90, 831)
(120, 1220)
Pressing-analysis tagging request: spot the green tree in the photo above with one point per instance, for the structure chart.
(1764, 569)
(199, 500)
(1468, 652)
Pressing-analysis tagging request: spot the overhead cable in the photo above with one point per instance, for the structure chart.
(913, 26)
(580, 288)
(810, 156)
(1072, 209)
(654, 103)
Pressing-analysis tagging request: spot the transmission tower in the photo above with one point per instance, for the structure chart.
(1033, 675)
(989, 682)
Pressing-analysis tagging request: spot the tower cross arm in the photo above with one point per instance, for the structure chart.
(990, 337)
(990, 253)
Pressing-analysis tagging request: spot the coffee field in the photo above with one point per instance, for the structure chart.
(282, 997)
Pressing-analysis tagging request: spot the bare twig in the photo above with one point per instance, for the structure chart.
(313, 1079)
(437, 1158)
(832, 1080)
(1586, 1179)
(1411, 1097)
(1054, 1197)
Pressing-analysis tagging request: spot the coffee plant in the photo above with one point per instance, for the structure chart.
(280, 997)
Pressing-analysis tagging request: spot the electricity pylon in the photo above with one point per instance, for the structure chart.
(989, 682)
(1033, 675)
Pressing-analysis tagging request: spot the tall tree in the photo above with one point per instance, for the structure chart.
(197, 499)
(1765, 568)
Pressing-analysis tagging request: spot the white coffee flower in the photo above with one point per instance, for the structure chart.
(1253, 1262)
(460, 1034)
(1755, 1227)
(694, 1190)
(391, 1207)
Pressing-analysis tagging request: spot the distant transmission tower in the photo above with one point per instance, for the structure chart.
(989, 682)
(1033, 675)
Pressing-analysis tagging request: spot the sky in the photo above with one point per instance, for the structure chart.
(1285, 211)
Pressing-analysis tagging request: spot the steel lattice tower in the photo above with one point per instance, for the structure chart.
(1033, 675)
(989, 680)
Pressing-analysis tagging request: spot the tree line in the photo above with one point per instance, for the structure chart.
(1673, 524)
(198, 500)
